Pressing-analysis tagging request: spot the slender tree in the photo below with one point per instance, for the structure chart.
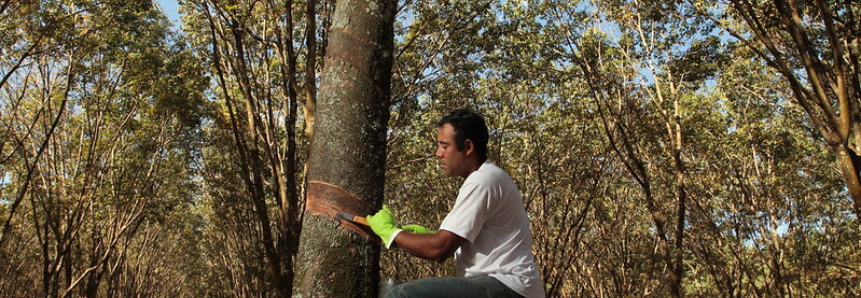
(813, 45)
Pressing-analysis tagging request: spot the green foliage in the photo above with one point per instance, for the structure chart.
(101, 150)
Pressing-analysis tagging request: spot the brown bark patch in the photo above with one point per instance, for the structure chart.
(328, 199)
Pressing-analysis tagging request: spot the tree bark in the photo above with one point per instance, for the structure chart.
(346, 165)
(849, 163)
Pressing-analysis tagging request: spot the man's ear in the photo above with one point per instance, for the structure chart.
(468, 147)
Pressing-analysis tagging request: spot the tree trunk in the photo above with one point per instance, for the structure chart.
(849, 166)
(347, 157)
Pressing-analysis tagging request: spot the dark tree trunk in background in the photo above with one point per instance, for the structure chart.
(347, 158)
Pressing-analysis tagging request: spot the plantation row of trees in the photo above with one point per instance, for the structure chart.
(663, 148)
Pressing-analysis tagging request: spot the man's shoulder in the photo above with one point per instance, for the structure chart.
(490, 171)
(491, 177)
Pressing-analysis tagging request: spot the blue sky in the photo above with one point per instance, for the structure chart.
(171, 10)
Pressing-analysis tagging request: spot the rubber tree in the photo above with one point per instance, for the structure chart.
(346, 162)
(814, 46)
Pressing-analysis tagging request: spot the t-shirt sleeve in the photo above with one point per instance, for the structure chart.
(468, 214)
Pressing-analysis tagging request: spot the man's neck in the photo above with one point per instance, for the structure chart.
(479, 161)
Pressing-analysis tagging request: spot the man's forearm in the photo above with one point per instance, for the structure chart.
(436, 247)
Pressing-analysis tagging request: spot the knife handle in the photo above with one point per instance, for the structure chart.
(360, 220)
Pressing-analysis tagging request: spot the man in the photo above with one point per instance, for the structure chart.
(487, 230)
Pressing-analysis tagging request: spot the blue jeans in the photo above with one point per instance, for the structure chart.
(453, 287)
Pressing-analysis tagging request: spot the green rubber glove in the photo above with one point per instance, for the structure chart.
(383, 224)
(418, 230)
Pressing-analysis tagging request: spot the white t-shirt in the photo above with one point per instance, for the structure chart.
(490, 215)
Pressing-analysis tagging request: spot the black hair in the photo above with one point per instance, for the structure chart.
(467, 125)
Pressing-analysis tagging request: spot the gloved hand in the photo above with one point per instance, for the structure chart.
(383, 224)
(417, 229)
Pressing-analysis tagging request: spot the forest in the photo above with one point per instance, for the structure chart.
(663, 148)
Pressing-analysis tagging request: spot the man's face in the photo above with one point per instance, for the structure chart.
(454, 162)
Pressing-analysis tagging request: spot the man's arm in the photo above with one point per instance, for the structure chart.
(436, 247)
